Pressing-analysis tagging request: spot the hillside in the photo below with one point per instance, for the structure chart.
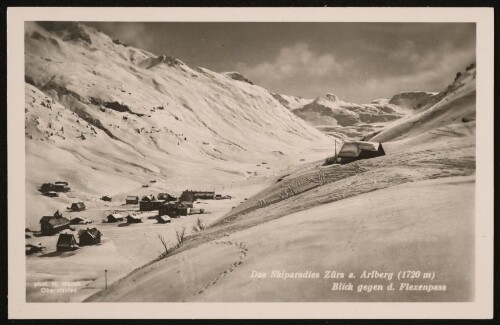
(124, 116)
(455, 104)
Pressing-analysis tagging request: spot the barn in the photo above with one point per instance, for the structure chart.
(132, 199)
(79, 206)
(357, 150)
(89, 237)
(51, 225)
(66, 242)
(113, 217)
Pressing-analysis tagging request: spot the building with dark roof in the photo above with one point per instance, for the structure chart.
(357, 150)
(66, 242)
(51, 225)
(79, 206)
(89, 237)
(132, 199)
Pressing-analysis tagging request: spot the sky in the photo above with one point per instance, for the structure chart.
(358, 62)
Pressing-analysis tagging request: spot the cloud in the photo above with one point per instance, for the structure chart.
(431, 72)
(294, 61)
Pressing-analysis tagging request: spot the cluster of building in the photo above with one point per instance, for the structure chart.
(51, 225)
(52, 189)
(168, 207)
(67, 242)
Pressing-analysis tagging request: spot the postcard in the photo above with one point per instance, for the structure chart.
(250, 162)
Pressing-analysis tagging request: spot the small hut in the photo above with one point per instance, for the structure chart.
(66, 242)
(164, 219)
(78, 206)
(80, 221)
(132, 199)
(31, 249)
(113, 217)
(89, 237)
(357, 150)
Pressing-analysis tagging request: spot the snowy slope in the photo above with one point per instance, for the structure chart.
(291, 102)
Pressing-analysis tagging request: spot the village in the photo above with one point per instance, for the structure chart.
(161, 209)
(134, 224)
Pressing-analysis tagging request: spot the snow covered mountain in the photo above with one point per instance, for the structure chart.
(342, 119)
(124, 115)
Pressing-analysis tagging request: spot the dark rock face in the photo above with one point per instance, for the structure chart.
(237, 76)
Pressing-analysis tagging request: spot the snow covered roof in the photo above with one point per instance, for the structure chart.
(165, 218)
(353, 148)
(115, 215)
(94, 232)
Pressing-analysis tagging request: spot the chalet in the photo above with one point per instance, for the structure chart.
(79, 206)
(132, 200)
(66, 242)
(357, 150)
(80, 221)
(106, 198)
(164, 219)
(172, 210)
(150, 205)
(51, 225)
(134, 219)
(89, 237)
(113, 217)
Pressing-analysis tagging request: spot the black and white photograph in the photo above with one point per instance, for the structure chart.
(249, 161)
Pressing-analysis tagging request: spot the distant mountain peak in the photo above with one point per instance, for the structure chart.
(330, 97)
